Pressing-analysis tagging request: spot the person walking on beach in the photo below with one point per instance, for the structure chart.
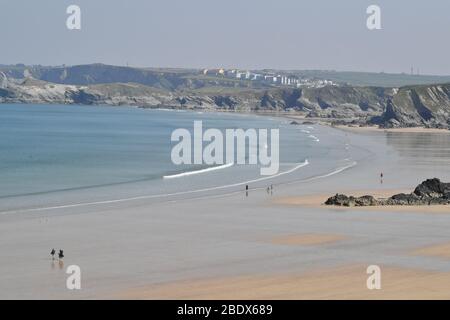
(60, 254)
(381, 177)
(246, 190)
(271, 189)
(52, 253)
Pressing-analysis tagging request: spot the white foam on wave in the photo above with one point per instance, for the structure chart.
(314, 138)
(165, 109)
(190, 173)
(332, 173)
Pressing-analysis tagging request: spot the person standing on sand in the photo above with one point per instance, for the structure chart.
(60, 254)
(381, 177)
(246, 190)
(52, 253)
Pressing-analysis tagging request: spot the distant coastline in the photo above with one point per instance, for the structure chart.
(292, 94)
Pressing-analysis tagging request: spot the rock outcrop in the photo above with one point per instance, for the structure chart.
(350, 201)
(429, 192)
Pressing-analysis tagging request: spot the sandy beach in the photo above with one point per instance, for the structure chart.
(306, 239)
(345, 282)
(232, 246)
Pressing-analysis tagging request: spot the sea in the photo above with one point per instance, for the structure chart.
(71, 155)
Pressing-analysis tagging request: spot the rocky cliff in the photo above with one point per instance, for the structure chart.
(427, 105)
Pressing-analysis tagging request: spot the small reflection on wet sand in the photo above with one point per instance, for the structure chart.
(422, 149)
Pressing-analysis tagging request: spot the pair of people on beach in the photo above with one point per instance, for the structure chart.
(60, 254)
(269, 189)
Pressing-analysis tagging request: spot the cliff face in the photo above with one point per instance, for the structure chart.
(344, 102)
(324, 102)
(36, 91)
(427, 106)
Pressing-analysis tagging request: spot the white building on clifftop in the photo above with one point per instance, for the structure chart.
(3, 81)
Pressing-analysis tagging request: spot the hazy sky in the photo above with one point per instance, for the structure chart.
(285, 34)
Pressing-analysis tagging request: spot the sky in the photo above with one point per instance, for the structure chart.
(247, 34)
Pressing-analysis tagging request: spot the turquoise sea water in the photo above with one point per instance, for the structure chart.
(58, 154)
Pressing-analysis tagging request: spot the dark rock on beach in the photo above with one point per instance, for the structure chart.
(433, 188)
(365, 201)
(429, 192)
(350, 201)
(404, 200)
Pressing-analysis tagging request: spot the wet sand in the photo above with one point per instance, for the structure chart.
(231, 246)
(441, 250)
(306, 239)
(348, 282)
